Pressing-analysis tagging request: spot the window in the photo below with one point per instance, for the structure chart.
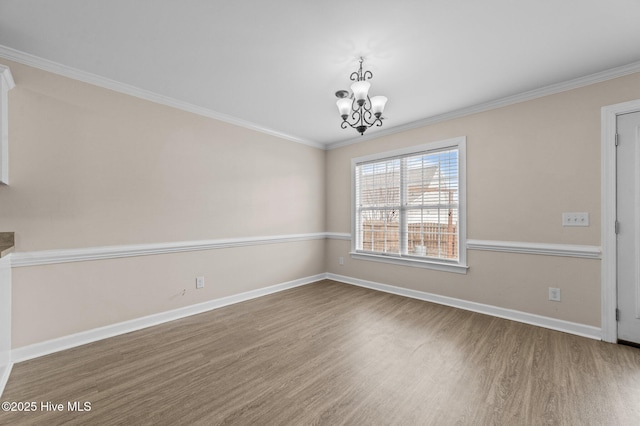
(409, 206)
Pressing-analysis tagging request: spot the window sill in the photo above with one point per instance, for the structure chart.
(415, 263)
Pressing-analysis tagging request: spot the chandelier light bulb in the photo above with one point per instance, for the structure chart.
(377, 105)
(344, 107)
(360, 91)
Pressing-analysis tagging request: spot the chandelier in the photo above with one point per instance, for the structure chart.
(365, 112)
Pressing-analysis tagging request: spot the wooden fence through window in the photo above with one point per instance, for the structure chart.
(439, 239)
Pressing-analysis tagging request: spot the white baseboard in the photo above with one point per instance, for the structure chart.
(50, 346)
(510, 314)
(44, 348)
(5, 371)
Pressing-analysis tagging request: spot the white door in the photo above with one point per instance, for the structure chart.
(628, 217)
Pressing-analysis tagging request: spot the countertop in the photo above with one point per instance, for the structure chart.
(7, 242)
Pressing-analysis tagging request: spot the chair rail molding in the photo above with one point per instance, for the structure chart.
(46, 257)
(548, 249)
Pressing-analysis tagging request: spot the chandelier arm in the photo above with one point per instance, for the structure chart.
(356, 115)
(365, 112)
(367, 115)
(360, 124)
(360, 76)
(362, 116)
(345, 123)
(354, 106)
(357, 120)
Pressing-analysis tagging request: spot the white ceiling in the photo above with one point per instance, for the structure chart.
(276, 64)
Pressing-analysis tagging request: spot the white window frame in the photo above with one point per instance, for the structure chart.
(459, 266)
(6, 83)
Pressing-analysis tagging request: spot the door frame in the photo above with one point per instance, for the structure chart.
(609, 271)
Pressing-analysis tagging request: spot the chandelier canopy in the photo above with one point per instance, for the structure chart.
(365, 112)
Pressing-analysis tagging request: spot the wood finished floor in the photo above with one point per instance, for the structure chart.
(332, 354)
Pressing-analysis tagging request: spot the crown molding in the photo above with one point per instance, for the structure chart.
(498, 103)
(127, 89)
(96, 80)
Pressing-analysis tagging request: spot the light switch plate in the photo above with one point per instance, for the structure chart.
(575, 219)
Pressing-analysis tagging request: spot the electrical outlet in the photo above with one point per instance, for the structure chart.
(199, 282)
(341, 260)
(554, 294)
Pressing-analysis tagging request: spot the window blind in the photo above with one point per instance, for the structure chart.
(409, 205)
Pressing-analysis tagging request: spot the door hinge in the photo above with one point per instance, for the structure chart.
(617, 142)
(617, 226)
(617, 314)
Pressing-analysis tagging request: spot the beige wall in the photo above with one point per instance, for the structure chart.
(91, 167)
(51, 301)
(526, 164)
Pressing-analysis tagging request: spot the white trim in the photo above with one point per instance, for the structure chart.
(636, 237)
(429, 146)
(46, 257)
(97, 80)
(5, 372)
(552, 89)
(55, 345)
(338, 236)
(6, 84)
(567, 250)
(76, 74)
(510, 314)
(5, 74)
(5, 321)
(44, 348)
(564, 250)
(412, 262)
(609, 215)
(460, 144)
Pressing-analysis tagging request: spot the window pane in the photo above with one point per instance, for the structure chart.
(379, 184)
(432, 178)
(432, 233)
(432, 204)
(380, 231)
